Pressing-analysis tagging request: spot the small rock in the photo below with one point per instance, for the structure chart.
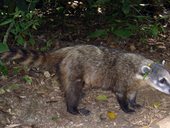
(132, 47)
(22, 97)
(103, 117)
(42, 82)
(47, 74)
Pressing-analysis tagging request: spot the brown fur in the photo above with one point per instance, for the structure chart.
(93, 67)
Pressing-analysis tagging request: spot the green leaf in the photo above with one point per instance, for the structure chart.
(157, 105)
(16, 70)
(32, 1)
(29, 15)
(25, 26)
(111, 115)
(154, 29)
(17, 28)
(126, 7)
(31, 40)
(27, 79)
(102, 2)
(123, 33)
(3, 47)
(55, 117)
(7, 21)
(98, 33)
(12, 87)
(101, 98)
(142, 17)
(20, 40)
(2, 91)
(3, 69)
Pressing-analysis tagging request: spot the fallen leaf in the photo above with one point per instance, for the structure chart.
(55, 117)
(156, 105)
(101, 97)
(112, 115)
(2, 91)
(27, 79)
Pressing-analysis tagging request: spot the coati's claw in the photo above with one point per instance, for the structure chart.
(129, 111)
(84, 112)
(73, 110)
(82, 95)
(81, 111)
(136, 106)
(133, 104)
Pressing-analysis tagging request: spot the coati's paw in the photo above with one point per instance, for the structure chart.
(82, 95)
(136, 106)
(73, 110)
(129, 110)
(84, 112)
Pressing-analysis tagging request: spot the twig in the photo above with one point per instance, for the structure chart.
(7, 32)
(12, 125)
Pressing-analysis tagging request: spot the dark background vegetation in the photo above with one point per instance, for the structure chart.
(22, 20)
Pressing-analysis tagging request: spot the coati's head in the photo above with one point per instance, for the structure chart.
(157, 76)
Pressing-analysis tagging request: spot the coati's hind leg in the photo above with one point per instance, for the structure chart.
(71, 79)
(73, 95)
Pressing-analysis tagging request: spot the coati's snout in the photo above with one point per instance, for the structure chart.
(157, 76)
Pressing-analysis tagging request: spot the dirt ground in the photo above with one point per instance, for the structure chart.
(41, 103)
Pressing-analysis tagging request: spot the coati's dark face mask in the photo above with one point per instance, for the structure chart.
(157, 76)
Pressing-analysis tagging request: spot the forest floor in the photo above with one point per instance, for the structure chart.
(40, 104)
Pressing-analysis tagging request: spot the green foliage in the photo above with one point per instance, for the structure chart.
(12, 87)
(48, 44)
(102, 2)
(16, 70)
(3, 47)
(127, 18)
(9, 88)
(122, 18)
(98, 33)
(20, 23)
(55, 117)
(126, 6)
(154, 30)
(27, 79)
(101, 98)
(2, 91)
(3, 69)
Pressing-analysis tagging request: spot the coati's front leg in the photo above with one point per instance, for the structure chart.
(123, 102)
(132, 100)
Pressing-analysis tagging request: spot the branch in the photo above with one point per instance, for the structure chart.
(7, 32)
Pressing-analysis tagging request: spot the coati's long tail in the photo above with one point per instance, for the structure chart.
(25, 57)
(34, 58)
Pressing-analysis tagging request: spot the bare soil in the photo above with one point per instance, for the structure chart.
(41, 103)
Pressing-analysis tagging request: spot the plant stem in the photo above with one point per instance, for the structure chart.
(7, 32)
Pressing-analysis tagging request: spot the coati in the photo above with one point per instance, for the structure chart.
(98, 67)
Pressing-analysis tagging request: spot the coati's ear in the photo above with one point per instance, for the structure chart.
(145, 69)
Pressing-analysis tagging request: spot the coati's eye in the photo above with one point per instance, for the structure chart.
(162, 80)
